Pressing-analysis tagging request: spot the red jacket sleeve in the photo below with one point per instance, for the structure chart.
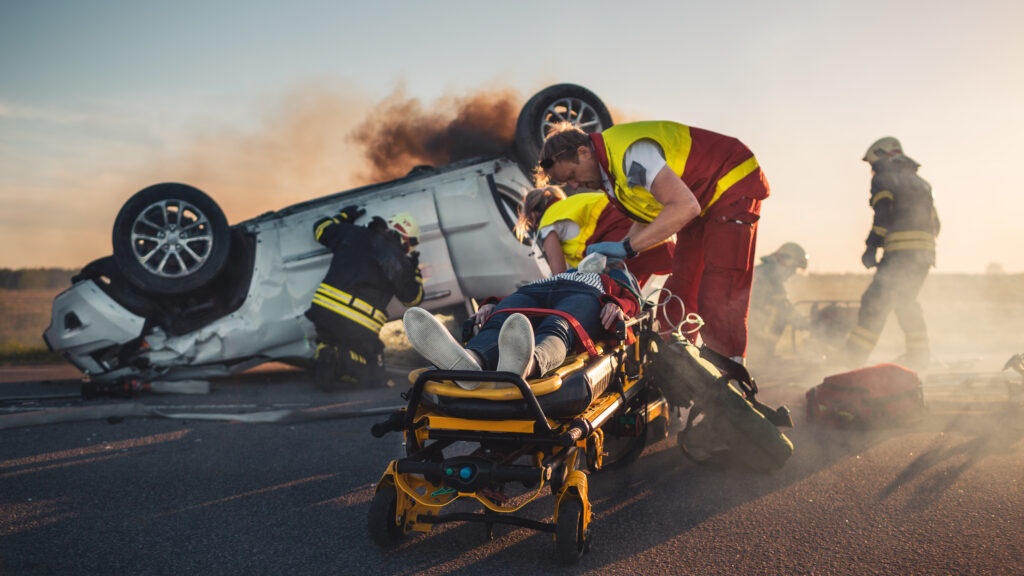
(622, 297)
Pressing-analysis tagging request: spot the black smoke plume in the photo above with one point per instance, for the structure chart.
(401, 133)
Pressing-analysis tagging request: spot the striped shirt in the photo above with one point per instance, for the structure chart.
(589, 278)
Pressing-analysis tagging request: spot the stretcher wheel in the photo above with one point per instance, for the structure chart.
(384, 530)
(752, 439)
(658, 429)
(621, 451)
(570, 541)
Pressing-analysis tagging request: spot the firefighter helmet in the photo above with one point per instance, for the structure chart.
(883, 148)
(791, 254)
(405, 225)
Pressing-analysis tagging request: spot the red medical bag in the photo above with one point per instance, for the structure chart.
(876, 395)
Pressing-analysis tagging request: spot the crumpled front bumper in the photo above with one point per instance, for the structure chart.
(90, 328)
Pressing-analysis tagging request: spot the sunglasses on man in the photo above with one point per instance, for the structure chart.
(547, 163)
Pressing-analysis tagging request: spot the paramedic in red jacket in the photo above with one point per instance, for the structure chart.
(669, 178)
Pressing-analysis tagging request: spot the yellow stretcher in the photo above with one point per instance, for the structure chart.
(502, 447)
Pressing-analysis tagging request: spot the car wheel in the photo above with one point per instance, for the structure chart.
(170, 238)
(551, 106)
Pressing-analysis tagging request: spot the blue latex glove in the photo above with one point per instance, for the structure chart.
(615, 251)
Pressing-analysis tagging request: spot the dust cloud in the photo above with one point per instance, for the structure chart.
(298, 150)
(316, 142)
(974, 325)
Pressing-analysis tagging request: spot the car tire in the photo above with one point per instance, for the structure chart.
(561, 102)
(170, 239)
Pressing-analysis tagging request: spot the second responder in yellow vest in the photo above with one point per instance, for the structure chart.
(565, 226)
(370, 265)
(904, 228)
(670, 179)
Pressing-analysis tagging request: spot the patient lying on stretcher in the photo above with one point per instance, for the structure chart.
(531, 347)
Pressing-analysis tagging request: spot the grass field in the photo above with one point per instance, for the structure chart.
(24, 315)
(969, 316)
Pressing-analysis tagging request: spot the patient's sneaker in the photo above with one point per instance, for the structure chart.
(433, 341)
(515, 345)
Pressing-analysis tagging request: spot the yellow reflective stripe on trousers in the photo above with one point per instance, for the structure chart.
(378, 317)
(732, 177)
(353, 315)
(879, 230)
(349, 300)
(863, 338)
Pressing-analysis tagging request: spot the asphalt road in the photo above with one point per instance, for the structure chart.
(152, 495)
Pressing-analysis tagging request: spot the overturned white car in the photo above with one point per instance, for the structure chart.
(184, 295)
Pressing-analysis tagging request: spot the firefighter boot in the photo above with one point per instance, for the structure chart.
(325, 368)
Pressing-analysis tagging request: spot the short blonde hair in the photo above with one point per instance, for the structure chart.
(536, 200)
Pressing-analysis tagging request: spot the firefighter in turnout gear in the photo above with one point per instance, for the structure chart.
(370, 265)
(904, 227)
(770, 308)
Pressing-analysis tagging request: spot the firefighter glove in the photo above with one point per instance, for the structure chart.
(615, 251)
(415, 259)
(351, 213)
(869, 258)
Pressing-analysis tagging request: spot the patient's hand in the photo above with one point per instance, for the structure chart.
(610, 314)
(482, 313)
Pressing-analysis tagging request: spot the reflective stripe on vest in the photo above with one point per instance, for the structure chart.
(733, 176)
(583, 209)
(344, 304)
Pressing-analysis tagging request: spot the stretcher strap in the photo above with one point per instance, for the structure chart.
(581, 334)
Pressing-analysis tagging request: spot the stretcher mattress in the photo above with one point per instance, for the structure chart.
(578, 390)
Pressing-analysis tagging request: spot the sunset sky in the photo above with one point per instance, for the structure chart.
(255, 102)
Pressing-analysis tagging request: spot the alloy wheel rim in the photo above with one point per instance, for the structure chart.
(572, 110)
(171, 238)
